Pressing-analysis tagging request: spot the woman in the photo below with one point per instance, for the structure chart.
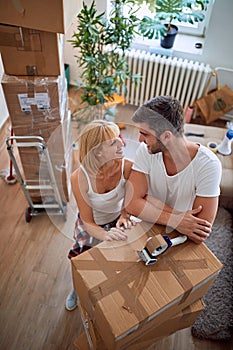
(98, 186)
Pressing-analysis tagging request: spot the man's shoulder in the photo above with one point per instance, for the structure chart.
(206, 153)
(208, 160)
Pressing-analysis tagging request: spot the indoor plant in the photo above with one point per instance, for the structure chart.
(102, 44)
(166, 12)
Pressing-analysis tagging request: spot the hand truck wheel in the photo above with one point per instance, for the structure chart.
(28, 214)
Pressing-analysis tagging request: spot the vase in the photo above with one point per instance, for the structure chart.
(167, 41)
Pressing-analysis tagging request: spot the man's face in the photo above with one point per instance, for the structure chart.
(146, 135)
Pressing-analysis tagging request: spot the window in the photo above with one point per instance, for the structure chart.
(197, 29)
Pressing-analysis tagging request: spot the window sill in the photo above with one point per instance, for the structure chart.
(184, 45)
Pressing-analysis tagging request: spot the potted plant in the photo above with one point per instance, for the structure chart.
(102, 45)
(166, 12)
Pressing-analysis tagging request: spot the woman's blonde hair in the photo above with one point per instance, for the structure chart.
(92, 137)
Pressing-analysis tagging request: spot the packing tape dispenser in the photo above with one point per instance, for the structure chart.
(157, 245)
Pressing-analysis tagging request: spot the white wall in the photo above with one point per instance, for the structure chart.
(3, 107)
(218, 48)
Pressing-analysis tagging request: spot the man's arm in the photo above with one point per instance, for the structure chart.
(209, 207)
(150, 209)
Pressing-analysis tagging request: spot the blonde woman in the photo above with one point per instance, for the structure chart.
(98, 186)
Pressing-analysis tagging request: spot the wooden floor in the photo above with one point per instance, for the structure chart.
(35, 278)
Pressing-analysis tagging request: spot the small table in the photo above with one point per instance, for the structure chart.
(215, 134)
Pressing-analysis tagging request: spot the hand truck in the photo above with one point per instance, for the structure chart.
(57, 206)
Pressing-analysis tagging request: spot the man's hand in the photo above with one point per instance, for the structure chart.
(125, 221)
(195, 228)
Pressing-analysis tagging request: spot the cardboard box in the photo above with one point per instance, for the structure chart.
(51, 16)
(126, 298)
(182, 320)
(37, 169)
(36, 52)
(36, 105)
(185, 318)
(81, 342)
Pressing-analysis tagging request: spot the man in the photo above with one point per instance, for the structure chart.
(174, 182)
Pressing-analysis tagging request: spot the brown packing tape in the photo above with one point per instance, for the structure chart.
(120, 281)
(136, 274)
(155, 242)
(23, 39)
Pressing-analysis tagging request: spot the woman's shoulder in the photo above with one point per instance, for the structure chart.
(78, 177)
(75, 173)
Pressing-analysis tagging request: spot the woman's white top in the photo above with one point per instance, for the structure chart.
(106, 206)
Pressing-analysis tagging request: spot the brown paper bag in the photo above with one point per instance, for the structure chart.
(215, 103)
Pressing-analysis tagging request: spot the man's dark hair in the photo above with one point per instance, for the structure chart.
(161, 113)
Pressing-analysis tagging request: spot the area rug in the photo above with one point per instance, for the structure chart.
(216, 321)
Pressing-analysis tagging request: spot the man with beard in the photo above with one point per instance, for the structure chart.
(173, 182)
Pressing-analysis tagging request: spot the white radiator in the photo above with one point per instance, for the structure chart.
(161, 75)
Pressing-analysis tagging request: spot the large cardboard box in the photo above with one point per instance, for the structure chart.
(126, 298)
(51, 16)
(92, 340)
(38, 106)
(36, 52)
(35, 104)
(37, 169)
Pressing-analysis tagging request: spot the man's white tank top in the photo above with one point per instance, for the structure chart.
(106, 206)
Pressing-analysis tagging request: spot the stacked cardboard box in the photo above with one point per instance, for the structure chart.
(185, 318)
(129, 303)
(34, 83)
(36, 52)
(51, 16)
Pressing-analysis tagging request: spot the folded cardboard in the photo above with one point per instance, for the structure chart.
(90, 339)
(51, 16)
(36, 52)
(126, 298)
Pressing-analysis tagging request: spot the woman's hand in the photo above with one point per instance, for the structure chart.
(116, 234)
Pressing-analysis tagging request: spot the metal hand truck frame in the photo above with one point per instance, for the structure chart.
(58, 207)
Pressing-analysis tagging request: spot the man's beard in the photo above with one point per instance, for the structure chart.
(157, 148)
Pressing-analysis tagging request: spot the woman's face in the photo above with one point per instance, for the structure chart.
(111, 149)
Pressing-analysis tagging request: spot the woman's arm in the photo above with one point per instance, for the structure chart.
(124, 220)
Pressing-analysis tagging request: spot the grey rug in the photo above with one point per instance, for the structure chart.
(216, 321)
